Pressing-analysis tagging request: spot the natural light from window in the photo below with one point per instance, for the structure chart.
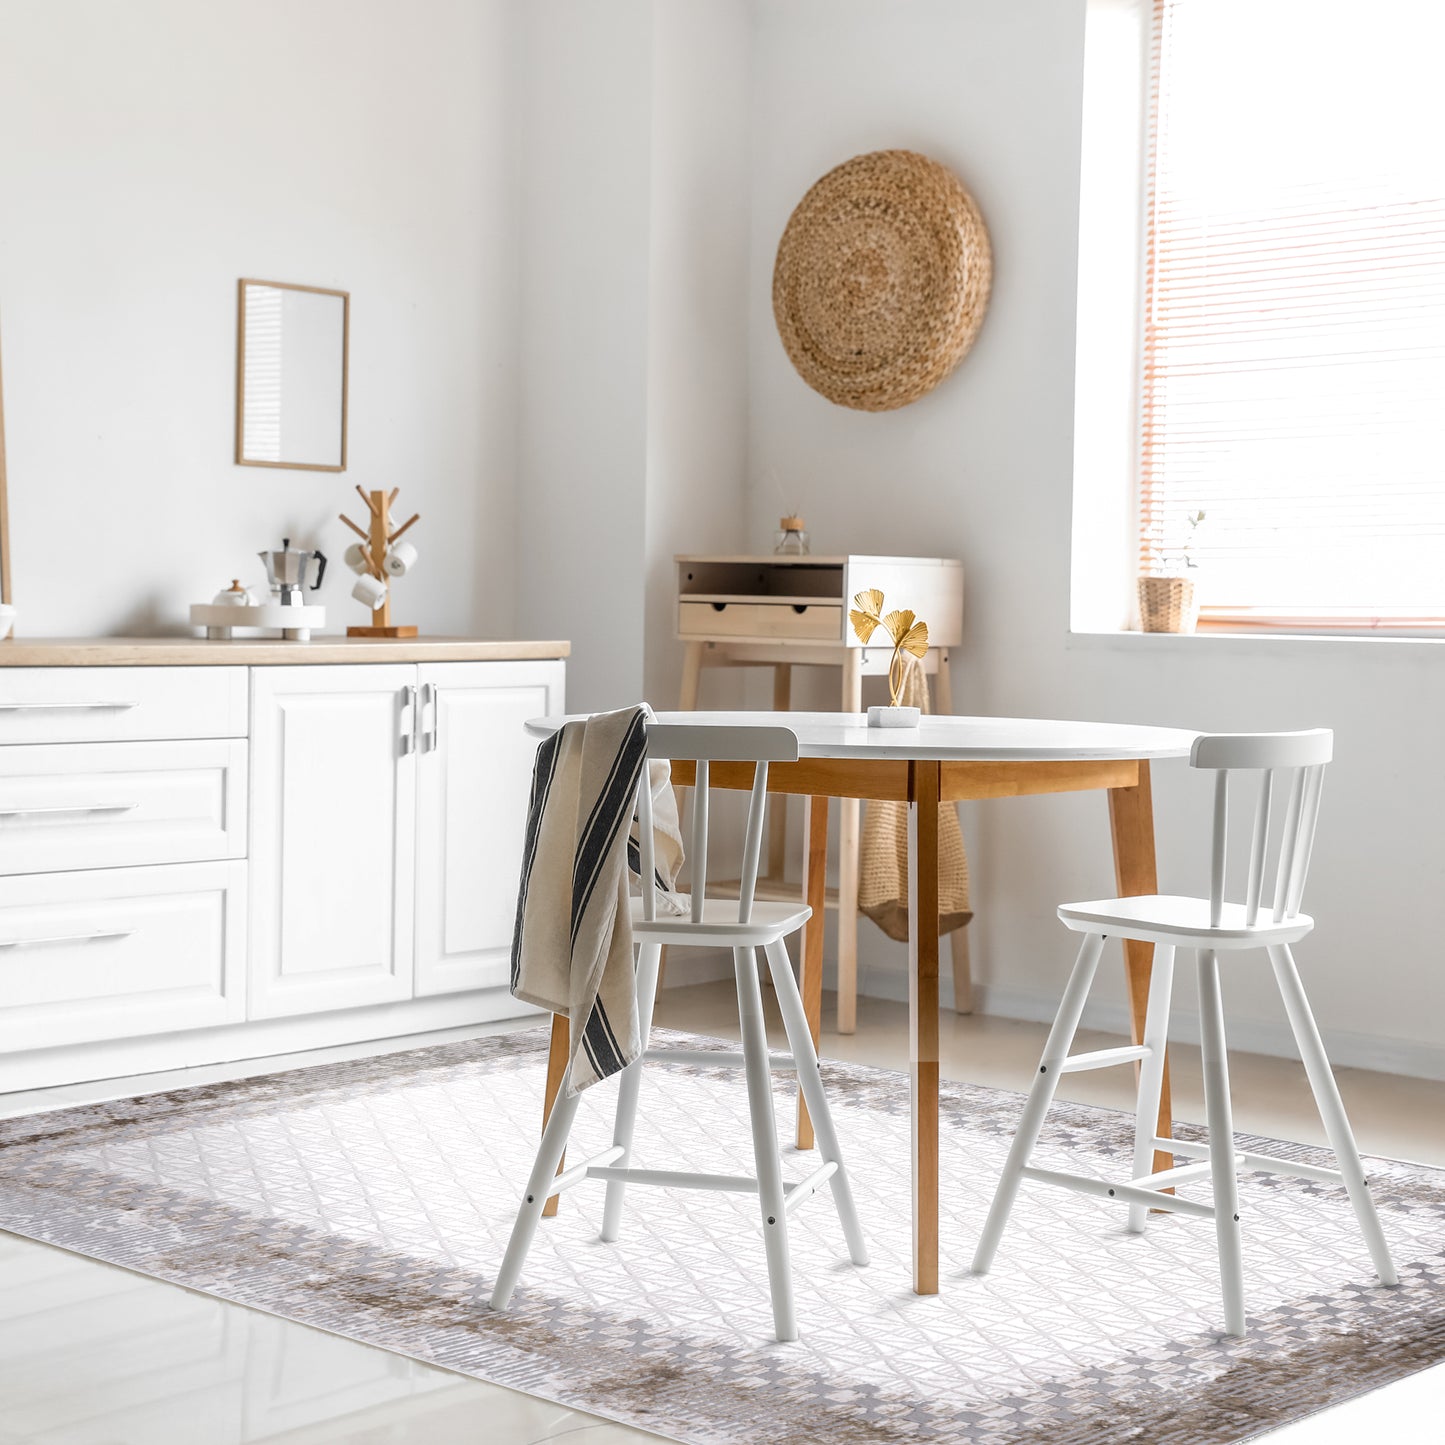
(1293, 381)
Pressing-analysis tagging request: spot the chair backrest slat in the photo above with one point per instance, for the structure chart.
(1310, 816)
(699, 840)
(702, 744)
(1289, 841)
(647, 857)
(753, 843)
(1303, 756)
(1258, 847)
(1218, 861)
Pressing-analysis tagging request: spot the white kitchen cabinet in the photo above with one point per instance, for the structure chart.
(333, 837)
(213, 851)
(474, 773)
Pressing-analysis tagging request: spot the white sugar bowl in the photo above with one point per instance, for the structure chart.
(234, 596)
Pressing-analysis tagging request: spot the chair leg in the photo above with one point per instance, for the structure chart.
(549, 1155)
(810, 1081)
(766, 1154)
(1041, 1095)
(1220, 1119)
(1332, 1109)
(625, 1120)
(1151, 1072)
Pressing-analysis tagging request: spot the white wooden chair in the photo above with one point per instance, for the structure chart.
(1210, 926)
(744, 926)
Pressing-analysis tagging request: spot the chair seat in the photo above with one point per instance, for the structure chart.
(720, 926)
(1184, 922)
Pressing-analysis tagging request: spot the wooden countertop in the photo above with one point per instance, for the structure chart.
(263, 652)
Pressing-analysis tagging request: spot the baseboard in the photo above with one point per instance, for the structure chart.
(261, 1038)
(1347, 1049)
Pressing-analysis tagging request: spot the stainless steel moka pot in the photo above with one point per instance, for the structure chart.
(286, 572)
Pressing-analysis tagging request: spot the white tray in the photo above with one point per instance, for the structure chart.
(221, 619)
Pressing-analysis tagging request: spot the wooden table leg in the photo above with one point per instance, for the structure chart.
(556, 1067)
(691, 678)
(810, 981)
(923, 1018)
(1131, 818)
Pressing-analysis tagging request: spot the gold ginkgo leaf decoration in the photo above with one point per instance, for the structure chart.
(867, 613)
(907, 633)
(904, 630)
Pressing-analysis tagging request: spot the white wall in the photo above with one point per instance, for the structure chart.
(585, 80)
(156, 151)
(633, 345)
(697, 377)
(982, 470)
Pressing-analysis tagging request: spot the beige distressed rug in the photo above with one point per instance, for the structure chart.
(373, 1199)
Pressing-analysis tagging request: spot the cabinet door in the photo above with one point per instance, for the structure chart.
(475, 774)
(333, 837)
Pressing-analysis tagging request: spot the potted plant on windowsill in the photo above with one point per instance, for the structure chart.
(1169, 601)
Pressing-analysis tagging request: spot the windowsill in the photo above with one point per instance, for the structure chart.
(1253, 640)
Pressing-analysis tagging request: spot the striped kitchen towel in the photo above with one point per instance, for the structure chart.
(572, 945)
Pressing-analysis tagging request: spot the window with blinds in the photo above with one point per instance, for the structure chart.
(1293, 377)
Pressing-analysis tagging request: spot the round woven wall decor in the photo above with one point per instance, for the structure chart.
(882, 280)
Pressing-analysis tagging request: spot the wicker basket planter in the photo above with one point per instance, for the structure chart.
(1168, 604)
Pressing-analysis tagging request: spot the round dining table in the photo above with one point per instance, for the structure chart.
(944, 760)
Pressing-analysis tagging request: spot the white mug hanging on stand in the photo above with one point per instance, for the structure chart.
(355, 557)
(400, 559)
(370, 590)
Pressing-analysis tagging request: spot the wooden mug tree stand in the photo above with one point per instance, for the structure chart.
(376, 541)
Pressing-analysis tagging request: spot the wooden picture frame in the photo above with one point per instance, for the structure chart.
(345, 297)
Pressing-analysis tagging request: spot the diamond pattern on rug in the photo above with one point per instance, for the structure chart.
(374, 1199)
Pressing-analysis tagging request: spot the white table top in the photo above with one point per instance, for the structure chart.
(947, 739)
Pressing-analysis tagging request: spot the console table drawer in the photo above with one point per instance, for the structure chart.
(107, 805)
(120, 952)
(114, 704)
(812, 622)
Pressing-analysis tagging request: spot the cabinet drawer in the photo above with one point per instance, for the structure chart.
(820, 622)
(107, 805)
(115, 704)
(123, 951)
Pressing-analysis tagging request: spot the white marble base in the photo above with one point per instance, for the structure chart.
(893, 717)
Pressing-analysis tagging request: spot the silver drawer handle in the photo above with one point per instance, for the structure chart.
(67, 938)
(74, 808)
(431, 716)
(408, 726)
(66, 706)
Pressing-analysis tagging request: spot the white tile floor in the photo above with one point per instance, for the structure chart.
(93, 1355)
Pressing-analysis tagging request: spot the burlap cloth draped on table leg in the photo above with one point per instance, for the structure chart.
(883, 854)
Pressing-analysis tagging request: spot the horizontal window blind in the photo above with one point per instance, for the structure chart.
(1293, 377)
